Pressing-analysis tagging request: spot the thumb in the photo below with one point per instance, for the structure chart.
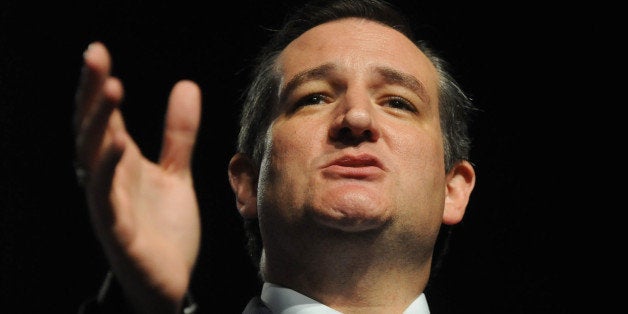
(181, 126)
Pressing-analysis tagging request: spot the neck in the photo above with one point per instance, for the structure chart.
(351, 272)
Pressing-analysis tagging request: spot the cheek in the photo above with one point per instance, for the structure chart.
(292, 145)
(289, 155)
(419, 159)
(417, 148)
(297, 140)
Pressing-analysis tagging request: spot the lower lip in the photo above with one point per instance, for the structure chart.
(337, 171)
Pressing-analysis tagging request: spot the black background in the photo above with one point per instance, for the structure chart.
(511, 253)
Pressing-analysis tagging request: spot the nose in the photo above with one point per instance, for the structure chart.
(355, 121)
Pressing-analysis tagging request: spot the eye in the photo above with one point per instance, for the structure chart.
(400, 103)
(311, 99)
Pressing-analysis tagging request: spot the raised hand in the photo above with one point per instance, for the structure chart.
(144, 213)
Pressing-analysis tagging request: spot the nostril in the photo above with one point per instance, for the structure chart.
(348, 135)
(344, 132)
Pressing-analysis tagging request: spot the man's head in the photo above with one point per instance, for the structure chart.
(351, 126)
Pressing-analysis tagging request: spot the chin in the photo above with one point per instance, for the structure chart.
(352, 211)
(351, 223)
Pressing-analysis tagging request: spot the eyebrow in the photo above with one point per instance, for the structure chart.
(318, 72)
(395, 77)
(390, 76)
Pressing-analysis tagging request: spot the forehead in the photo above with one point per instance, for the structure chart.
(357, 45)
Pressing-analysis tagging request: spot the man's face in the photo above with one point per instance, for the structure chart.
(357, 145)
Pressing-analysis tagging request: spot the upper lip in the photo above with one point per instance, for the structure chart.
(355, 161)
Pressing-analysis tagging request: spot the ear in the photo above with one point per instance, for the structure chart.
(460, 183)
(243, 179)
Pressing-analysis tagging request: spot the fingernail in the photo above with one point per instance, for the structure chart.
(86, 52)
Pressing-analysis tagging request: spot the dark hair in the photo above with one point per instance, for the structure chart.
(259, 108)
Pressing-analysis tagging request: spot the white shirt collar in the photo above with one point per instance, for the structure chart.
(282, 300)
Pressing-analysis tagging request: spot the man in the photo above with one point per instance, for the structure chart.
(352, 154)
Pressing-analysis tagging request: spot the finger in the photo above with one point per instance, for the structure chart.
(101, 185)
(98, 95)
(98, 128)
(95, 70)
(181, 126)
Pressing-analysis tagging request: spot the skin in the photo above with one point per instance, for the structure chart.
(351, 192)
(144, 213)
(352, 189)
